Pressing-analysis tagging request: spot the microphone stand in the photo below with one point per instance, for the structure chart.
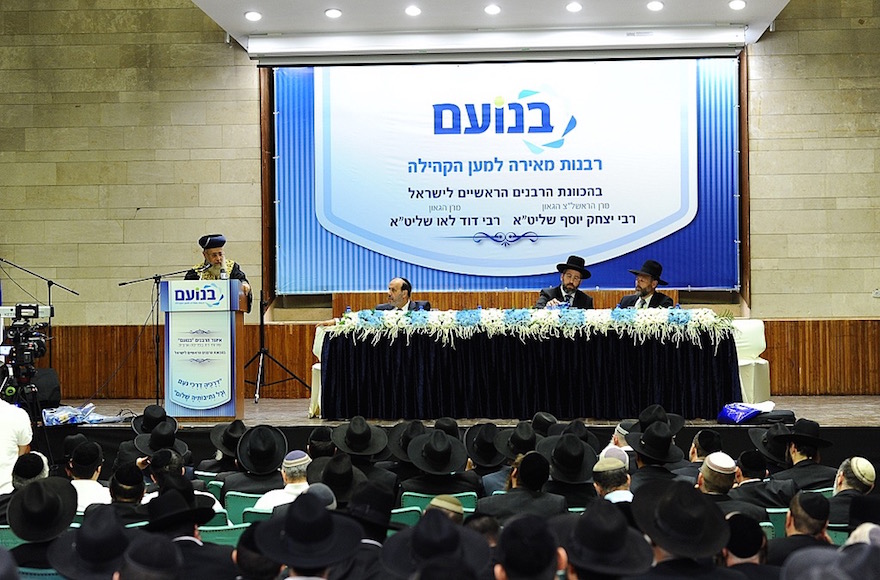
(156, 278)
(49, 284)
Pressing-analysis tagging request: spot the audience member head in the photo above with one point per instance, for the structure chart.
(485, 525)
(70, 443)
(479, 442)
(541, 422)
(177, 511)
(251, 562)
(127, 484)
(803, 441)
(706, 441)
(319, 443)
(150, 557)
(42, 509)
(516, 441)
(358, 438)
(808, 514)
(294, 466)
(86, 461)
(29, 467)
(528, 550)
(717, 473)
(610, 474)
(752, 465)
(654, 445)
(866, 533)
(614, 452)
(371, 505)
(747, 542)
(261, 450)
(225, 437)
(621, 430)
(533, 471)
(449, 505)
(93, 550)
(855, 473)
(324, 494)
(449, 426)
(827, 563)
(338, 474)
(165, 462)
(400, 437)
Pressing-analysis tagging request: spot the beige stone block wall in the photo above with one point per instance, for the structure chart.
(127, 130)
(814, 140)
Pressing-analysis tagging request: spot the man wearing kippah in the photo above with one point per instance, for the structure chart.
(855, 477)
(715, 479)
(293, 472)
(216, 267)
(806, 525)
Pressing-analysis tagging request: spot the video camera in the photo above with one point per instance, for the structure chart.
(22, 345)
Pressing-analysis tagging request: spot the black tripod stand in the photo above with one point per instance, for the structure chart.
(263, 354)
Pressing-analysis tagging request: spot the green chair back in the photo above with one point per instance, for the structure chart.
(28, 573)
(8, 539)
(237, 502)
(408, 516)
(769, 530)
(777, 518)
(205, 476)
(468, 499)
(250, 515)
(826, 491)
(838, 533)
(224, 535)
(221, 518)
(215, 487)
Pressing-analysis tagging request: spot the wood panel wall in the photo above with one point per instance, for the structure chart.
(807, 357)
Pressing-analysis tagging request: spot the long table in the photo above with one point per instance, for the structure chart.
(601, 376)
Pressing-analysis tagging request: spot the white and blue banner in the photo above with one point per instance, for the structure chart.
(484, 176)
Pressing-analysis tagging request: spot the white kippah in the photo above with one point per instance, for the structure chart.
(863, 470)
(720, 462)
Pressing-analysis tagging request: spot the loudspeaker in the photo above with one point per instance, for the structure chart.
(48, 388)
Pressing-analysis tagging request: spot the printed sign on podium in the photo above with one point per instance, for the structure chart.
(203, 319)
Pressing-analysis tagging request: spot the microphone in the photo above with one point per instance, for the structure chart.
(203, 268)
(223, 274)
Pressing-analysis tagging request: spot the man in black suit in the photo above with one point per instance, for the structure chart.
(805, 526)
(746, 550)
(751, 486)
(715, 479)
(400, 297)
(803, 456)
(442, 461)
(571, 274)
(528, 477)
(646, 296)
(855, 477)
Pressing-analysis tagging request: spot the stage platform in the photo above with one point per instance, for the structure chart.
(852, 423)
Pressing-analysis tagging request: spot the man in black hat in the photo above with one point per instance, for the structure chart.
(370, 505)
(143, 424)
(260, 453)
(527, 549)
(94, 550)
(150, 556)
(646, 295)
(802, 454)
(308, 538)
(571, 467)
(511, 443)
(398, 441)
(571, 273)
(38, 513)
(442, 460)
(338, 474)
(400, 297)
(528, 477)
(805, 525)
(685, 528)
(363, 441)
(225, 438)
(484, 458)
(126, 492)
(769, 443)
(216, 267)
(85, 467)
(28, 467)
(751, 486)
(654, 449)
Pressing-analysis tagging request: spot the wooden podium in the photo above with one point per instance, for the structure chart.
(203, 321)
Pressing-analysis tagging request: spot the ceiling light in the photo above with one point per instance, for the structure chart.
(574, 7)
(655, 6)
(333, 13)
(737, 4)
(492, 9)
(413, 10)
(253, 16)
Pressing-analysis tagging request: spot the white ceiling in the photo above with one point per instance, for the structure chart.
(298, 30)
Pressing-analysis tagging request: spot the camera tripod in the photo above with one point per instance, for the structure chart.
(263, 354)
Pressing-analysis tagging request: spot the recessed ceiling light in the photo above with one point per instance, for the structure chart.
(492, 9)
(737, 4)
(655, 6)
(253, 16)
(574, 7)
(333, 13)
(413, 10)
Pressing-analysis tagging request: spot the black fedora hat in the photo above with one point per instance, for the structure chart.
(437, 453)
(261, 449)
(94, 550)
(225, 436)
(807, 432)
(602, 542)
(308, 535)
(680, 519)
(542, 421)
(337, 473)
(371, 504)
(162, 436)
(769, 443)
(449, 426)
(517, 440)
(652, 269)
(400, 436)
(654, 413)
(42, 509)
(172, 507)
(434, 536)
(578, 428)
(152, 416)
(655, 443)
(479, 440)
(574, 263)
(571, 459)
(357, 437)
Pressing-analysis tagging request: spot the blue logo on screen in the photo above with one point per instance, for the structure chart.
(209, 295)
(524, 116)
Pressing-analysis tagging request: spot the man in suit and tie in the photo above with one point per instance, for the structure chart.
(399, 297)
(646, 296)
(571, 274)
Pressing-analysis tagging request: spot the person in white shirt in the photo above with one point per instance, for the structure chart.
(293, 472)
(85, 467)
(15, 440)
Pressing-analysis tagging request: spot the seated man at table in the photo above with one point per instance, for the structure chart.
(571, 273)
(399, 297)
(646, 296)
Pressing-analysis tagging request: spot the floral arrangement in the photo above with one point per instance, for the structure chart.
(664, 324)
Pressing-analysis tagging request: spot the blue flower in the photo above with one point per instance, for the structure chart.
(370, 319)
(679, 316)
(467, 317)
(419, 317)
(572, 317)
(624, 315)
(517, 316)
